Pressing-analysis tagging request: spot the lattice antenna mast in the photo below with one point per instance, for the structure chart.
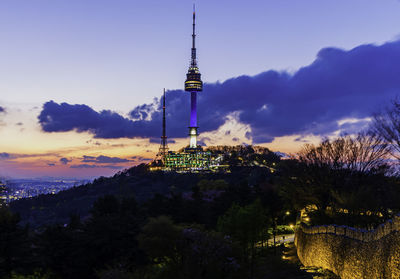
(164, 144)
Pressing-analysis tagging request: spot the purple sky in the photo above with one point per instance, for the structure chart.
(121, 53)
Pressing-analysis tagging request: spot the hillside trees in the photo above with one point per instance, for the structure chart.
(347, 174)
(15, 250)
(179, 251)
(247, 225)
(107, 239)
(386, 124)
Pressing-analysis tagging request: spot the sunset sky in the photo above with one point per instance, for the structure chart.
(80, 80)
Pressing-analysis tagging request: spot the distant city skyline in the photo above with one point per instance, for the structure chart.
(118, 56)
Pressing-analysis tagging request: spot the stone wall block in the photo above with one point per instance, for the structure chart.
(396, 223)
(389, 227)
(340, 230)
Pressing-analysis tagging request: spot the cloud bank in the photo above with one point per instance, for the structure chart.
(4, 155)
(339, 84)
(103, 159)
(64, 161)
(87, 166)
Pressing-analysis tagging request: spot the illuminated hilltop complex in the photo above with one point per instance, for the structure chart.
(216, 158)
(192, 158)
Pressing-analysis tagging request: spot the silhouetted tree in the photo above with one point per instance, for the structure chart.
(386, 124)
(15, 250)
(333, 177)
(186, 251)
(363, 153)
(246, 225)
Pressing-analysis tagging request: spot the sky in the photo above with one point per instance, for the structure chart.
(80, 80)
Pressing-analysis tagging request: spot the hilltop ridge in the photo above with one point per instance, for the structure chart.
(140, 183)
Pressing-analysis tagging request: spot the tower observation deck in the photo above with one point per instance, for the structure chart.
(193, 84)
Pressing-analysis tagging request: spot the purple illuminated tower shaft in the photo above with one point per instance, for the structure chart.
(193, 120)
(193, 110)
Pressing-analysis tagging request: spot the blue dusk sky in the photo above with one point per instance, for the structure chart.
(81, 78)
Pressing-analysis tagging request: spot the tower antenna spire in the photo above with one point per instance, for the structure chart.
(194, 62)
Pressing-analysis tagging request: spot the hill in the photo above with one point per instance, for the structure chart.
(137, 182)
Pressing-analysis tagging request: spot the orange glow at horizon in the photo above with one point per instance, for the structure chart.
(34, 153)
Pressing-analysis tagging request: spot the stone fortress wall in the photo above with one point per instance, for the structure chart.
(352, 253)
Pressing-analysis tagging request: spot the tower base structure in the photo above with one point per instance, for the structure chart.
(193, 137)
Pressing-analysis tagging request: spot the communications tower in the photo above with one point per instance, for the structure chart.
(193, 84)
(164, 145)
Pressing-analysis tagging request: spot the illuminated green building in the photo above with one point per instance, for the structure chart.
(188, 160)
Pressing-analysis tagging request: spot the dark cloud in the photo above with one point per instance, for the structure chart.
(301, 139)
(201, 143)
(19, 124)
(205, 138)
(4, 155)
(2, 109)
(65, 161)
(51, 164)
(103, 159)
(87, 166)
(105, 124)
(93, 142)
(140, 158)
(338, 84)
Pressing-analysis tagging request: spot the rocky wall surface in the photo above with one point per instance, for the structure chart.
(351, 253)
